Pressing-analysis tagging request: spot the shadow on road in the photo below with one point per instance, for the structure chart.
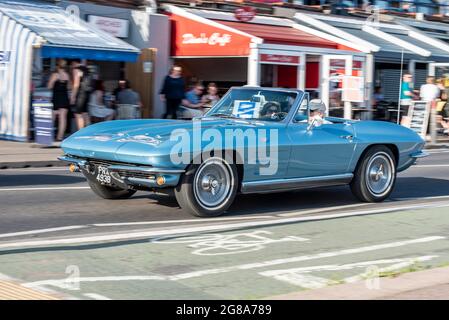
(414, 187)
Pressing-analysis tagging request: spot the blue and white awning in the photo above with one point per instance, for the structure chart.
(65, 35)
(24, 27)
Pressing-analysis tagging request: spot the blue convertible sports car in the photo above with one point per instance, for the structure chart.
(255, 140)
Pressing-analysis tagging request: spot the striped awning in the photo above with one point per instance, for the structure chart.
(65, 35)
(24, 27)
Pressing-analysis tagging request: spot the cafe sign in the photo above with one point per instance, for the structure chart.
(117, 27)
(213, 39)
(278, 58)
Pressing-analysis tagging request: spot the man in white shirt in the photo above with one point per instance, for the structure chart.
(429, 91)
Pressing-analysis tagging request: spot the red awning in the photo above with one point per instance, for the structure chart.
(281, 35)
(196, 36)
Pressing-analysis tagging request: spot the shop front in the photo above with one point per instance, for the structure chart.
(32, 37)
(270, 52)
(398, 46)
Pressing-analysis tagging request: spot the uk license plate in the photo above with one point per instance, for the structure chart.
(103, 175)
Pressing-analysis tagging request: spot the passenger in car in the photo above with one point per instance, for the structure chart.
(317, 112)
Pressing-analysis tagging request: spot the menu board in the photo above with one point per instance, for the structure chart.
(419, 114)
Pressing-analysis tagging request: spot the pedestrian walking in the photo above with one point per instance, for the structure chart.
(81, 90)
(59, 83)
(407, 95)
(173, 92)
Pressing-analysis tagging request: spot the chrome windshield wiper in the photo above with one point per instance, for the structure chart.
(223, 115)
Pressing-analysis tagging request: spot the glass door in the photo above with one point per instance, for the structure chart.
(333, 70)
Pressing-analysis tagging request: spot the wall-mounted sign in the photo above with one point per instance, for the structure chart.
(353, 89)
(5, 58)
(273, 58)
(117, 27)
(245, 14)
(147, 67)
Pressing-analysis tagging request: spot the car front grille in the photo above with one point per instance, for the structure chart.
(135, 174)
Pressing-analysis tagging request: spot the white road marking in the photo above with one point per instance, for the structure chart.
(24, 233)
(61, 283)
(325, 209)
(397, 266)
(208, 228)
(275, 262)
(300, 276)
(435, 151)
(226, 244)
(143, 223)
(196, 274)
(96, 296)
(44, 189)
(431, 166)
(423, 198)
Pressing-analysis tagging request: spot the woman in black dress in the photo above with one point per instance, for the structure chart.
(59, 82)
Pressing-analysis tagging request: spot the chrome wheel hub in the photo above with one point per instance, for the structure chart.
(380, 174)
(212, 183)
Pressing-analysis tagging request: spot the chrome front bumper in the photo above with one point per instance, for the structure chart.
(419, 155)
(129, 176)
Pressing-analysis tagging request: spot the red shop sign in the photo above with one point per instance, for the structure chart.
(245, 14)
(197, 38)
(279, 58)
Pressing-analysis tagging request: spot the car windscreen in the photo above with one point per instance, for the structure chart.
(255, 104)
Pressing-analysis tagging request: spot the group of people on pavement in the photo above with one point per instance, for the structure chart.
(186, 104)
(76, 89)
(433, 92)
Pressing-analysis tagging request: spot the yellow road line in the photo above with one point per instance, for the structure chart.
(13, 291)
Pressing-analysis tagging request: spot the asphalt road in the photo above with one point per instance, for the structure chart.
(53, 228)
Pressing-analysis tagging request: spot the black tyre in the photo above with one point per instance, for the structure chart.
(106, 192)
(375, 175)
(208, 189)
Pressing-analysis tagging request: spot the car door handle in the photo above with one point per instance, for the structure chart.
(348, 137)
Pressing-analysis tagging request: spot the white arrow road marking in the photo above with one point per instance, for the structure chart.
(301, 276)
(249, 266)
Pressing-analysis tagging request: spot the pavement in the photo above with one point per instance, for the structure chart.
(55, 234)
(25, 155)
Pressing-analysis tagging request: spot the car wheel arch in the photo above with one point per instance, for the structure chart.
(393, 148)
